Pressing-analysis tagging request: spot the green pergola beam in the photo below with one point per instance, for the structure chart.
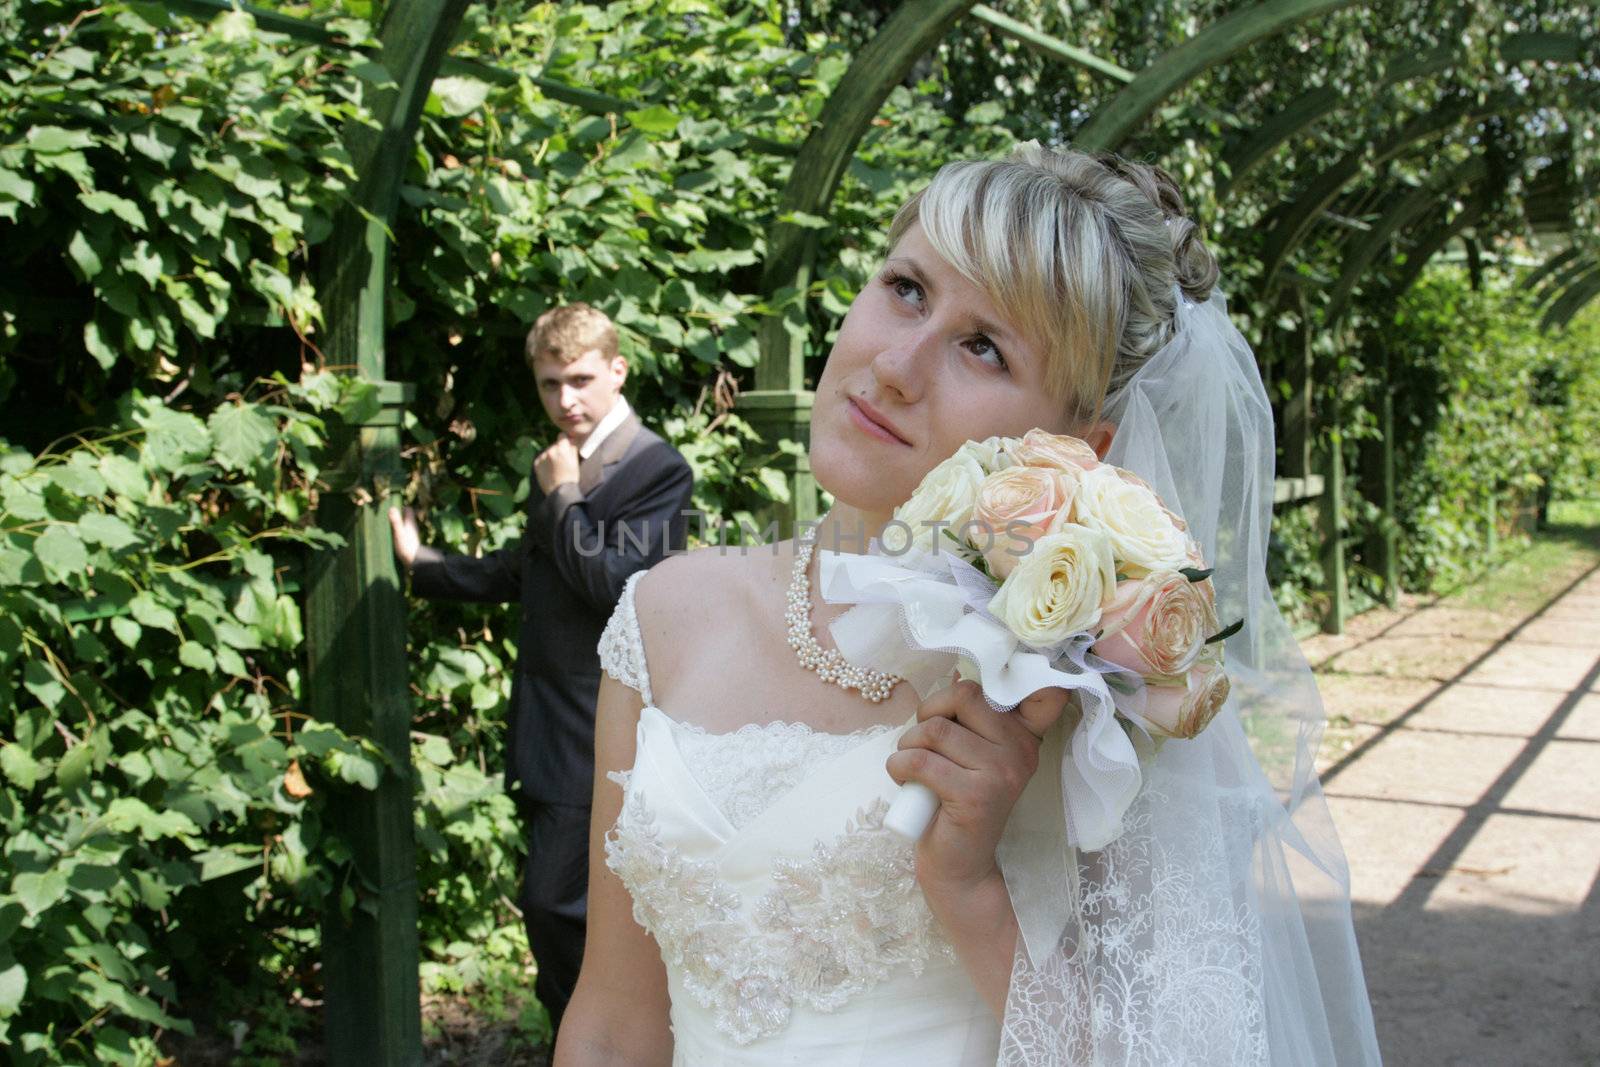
(1405, 209)
(1578, 295)
(1560, 279)
(1551, 265)
(1049, 47)
(1300, 114)
(911, 32)
(1419, 255)
(1316, 104)
(779, 407)
(357, 668)
(1112, 124)
(1296, 218)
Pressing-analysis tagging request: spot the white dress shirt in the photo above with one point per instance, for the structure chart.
(614, 418)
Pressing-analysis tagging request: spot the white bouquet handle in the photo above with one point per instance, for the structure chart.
(912, 811)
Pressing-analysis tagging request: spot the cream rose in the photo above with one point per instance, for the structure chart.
(1058, 588)
(1040, 449)
(1182, 707)
(1157, 624)
(1017, 506)
(1141, 531)
(991, 453)
(945, 495)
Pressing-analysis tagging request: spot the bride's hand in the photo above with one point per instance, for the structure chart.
(977, 761)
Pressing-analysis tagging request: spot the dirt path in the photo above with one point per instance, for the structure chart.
(1462, 763)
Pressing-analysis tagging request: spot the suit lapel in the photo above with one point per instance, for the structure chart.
(593, 471)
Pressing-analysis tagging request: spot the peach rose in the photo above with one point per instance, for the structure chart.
(1182, 707)
(1157, 624)
(1040, 449)
(1018, 506)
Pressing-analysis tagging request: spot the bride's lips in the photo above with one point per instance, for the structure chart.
(863, 415)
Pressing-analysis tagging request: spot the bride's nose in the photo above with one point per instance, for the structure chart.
(901, 367)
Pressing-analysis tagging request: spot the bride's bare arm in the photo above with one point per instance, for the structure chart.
(618, 1013)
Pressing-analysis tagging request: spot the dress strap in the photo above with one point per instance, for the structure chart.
(622, 644)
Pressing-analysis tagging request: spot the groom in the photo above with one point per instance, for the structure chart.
(610, 500)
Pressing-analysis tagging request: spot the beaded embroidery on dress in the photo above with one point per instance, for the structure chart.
(790, 921)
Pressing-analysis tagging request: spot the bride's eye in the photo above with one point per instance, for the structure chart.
(904, 288)
(985, 349)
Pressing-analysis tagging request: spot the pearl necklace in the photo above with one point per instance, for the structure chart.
(829, 664)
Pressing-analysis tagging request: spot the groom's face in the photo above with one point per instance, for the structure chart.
(578, 394)
(928, 353)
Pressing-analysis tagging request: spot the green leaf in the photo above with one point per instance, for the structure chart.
(19, 766)
(243, 435)
(221, 862)
(173, 439)
(13, 983)
(62, 554)
(102, 202)
(1224, 634)
(460, 96)
(72, 770)
(38, 891)
(50, 140)
(1194, 574)
(123, 476)
(126, 629)
(16, 187)
(40, 679)
(655, 120)
(130, 813)
(95, 342)
(100, 528)
(150, 612)
(194, 655)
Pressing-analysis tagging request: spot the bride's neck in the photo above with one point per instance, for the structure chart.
(847, 528)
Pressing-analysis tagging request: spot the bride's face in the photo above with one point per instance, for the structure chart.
(924, 361)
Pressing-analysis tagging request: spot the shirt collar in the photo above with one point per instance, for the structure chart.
(615, 417)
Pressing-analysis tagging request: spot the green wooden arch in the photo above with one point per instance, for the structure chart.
(1299, 215)
(1579, 294)
(1112, 124)
(1316, 104)
(1404, 211)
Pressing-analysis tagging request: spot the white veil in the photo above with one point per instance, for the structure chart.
(1217, 928)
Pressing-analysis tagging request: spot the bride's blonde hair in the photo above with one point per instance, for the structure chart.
(1081, 251)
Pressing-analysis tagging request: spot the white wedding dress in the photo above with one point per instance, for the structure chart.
(790, 921)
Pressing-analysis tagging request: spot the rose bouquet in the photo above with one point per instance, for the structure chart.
(1025, 564)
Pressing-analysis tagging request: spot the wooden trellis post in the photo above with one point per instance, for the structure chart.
(356, 615)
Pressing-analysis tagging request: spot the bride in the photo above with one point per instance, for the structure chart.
(746, 904)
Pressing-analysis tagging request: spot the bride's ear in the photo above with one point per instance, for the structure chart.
(1099, 437)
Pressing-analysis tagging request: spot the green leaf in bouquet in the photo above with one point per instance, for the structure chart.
(1224, 634)
(1195, 574)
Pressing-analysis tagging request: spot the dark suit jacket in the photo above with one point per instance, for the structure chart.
(580, 545)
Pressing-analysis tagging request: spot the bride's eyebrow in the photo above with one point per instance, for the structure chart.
(908, 267)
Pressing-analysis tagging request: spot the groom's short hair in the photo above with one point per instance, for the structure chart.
(565, 333)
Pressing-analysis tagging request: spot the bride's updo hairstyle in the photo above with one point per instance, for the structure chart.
(1085, 253)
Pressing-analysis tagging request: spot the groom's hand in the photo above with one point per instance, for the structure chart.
(557, 464)
(977, 761)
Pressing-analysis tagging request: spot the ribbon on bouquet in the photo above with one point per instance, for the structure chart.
(924, 616)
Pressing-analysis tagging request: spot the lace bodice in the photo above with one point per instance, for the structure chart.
(787, 916)
(745, 771)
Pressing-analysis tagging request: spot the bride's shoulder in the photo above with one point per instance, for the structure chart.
(715, 583)
(704, 576)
